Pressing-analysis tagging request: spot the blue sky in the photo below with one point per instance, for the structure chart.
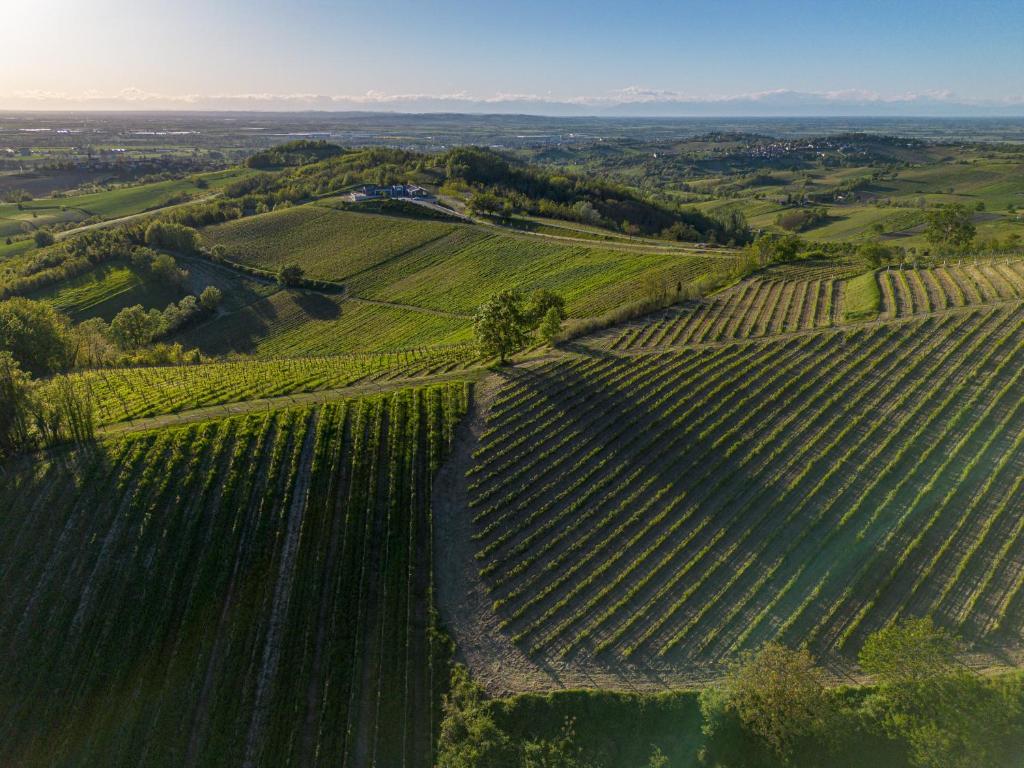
(393, 52)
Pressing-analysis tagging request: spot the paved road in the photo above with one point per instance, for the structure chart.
(124, 219)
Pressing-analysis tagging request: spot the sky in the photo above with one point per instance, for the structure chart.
(596, 57)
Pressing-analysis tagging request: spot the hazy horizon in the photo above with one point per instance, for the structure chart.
(740, 57)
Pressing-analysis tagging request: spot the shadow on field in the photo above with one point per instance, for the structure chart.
(318, 306)
(613, 517)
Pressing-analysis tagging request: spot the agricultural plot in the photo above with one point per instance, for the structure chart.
(451, 267)
(755, 307)
(110, 204)
(809, 489)
(251, 591)
(295, 323)
(915, 291)
(327, 243)
(123, 394)
(458, 276)
(107, 289)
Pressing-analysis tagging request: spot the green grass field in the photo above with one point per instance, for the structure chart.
(251, 590)
(107, 289)
(863, 298)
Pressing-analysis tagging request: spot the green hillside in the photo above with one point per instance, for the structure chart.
(328, 244)
(109, 204)
(293, 323)
(106, 290)
(452, 267)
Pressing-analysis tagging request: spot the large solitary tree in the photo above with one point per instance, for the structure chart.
(500, 324)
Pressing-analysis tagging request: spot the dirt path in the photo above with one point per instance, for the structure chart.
(494, 660)
(409, 307)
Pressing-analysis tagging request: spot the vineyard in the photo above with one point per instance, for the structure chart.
(593, 279)
(452, 267)
(294, 323)
(123, 394)
(105, 290)
(755, 307)
(327, 243)
(809, 489)
(251, 591)
(915, 291)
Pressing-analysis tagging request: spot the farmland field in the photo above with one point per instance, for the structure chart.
(114, 203)
(593, 279)
(451, 267)
(123, 394)
(105, 290)
(756, 307)
(292, 323)
(252, 590)
(914, 291)
(655, 395)
(328, 244)
(809, 490)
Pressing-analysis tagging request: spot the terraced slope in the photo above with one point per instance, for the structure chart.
(755, 307)
(915, 291)
(250, 591)
(674, 508)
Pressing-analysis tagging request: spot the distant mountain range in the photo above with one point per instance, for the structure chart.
(627, 102)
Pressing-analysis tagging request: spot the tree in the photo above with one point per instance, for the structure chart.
(551, 325)
(874, 254)
(541, 301)
(468, 735)
(36, 335)
(174, 237)
(950, 226)
(92, 343)
(500, 325)
(776, 694)
(66, 413)
(210, 298)
(134, 327)
(15, 405)
(43, 238)
(914, 650)
(562, 752)
(290, 275)
(165, 268)
(949, 716)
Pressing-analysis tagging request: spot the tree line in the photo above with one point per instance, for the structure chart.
(775, 708)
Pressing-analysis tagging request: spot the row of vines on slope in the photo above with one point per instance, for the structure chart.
(810, 489)
(255, 590)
